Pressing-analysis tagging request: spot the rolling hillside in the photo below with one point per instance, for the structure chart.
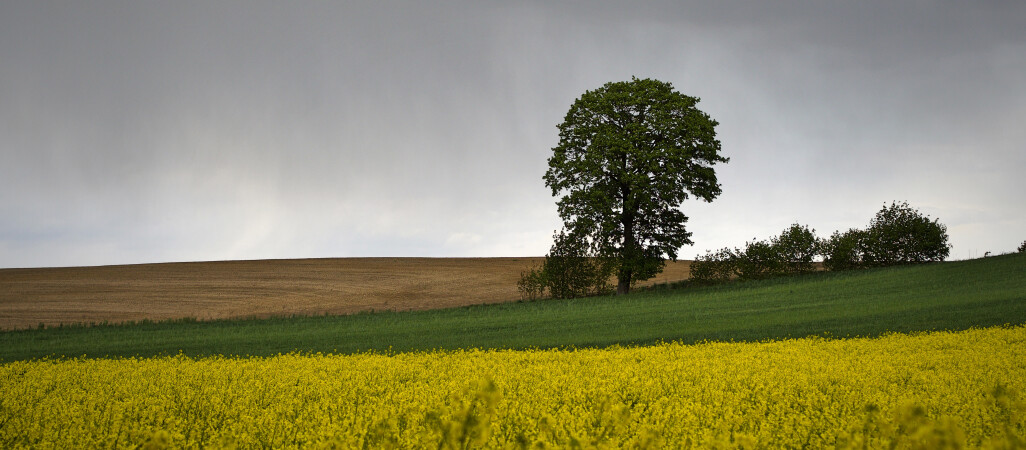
(944, 296)
(263, 288)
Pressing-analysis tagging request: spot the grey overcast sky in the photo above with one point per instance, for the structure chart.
(145, 131)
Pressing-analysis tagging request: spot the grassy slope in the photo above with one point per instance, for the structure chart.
(954, 295)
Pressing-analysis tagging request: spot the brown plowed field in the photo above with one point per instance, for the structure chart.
(224, 289)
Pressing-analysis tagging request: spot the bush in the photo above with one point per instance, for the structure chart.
(897, 235)
(532, 284)
(844, 251)
(758, 261)
(900, 235)
(713, 268)
(1022, 248)
(796, 247)
(790, 253)
(570, 270)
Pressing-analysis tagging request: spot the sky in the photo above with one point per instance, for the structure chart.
(144, 131)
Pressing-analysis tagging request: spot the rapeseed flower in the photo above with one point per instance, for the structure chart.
(925, 390)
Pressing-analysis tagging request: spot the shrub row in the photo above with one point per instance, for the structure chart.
(790, 253)
(898, 234)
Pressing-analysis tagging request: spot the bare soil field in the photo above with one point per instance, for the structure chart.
(262, 288)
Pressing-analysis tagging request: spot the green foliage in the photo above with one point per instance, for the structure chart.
(790, 253)
(570, 270)
(796, 247)
(844, 251)
(532, 284)
(900, 235)
(713, 268)
(629, 154)
(758, 261)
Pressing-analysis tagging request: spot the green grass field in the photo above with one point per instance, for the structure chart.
(951, 296)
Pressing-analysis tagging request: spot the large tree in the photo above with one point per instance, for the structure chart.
(629, 154)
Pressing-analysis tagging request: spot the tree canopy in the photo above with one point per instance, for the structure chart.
(899, 234)
(629, 154)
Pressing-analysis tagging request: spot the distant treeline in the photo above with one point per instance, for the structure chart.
(898, 235)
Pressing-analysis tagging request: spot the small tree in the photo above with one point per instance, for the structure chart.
(532, 284)
(758, 261)
(571, 271)
(900, 235)
(1022, 248)
(844, 251)
(796, 247)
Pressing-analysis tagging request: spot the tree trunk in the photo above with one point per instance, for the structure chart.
(628, 247)
(623, 285)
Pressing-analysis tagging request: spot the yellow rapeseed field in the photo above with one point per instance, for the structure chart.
(935, 390)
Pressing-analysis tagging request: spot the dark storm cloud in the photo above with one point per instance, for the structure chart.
(145, 131)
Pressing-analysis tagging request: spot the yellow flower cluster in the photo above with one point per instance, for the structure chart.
(924, 390)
